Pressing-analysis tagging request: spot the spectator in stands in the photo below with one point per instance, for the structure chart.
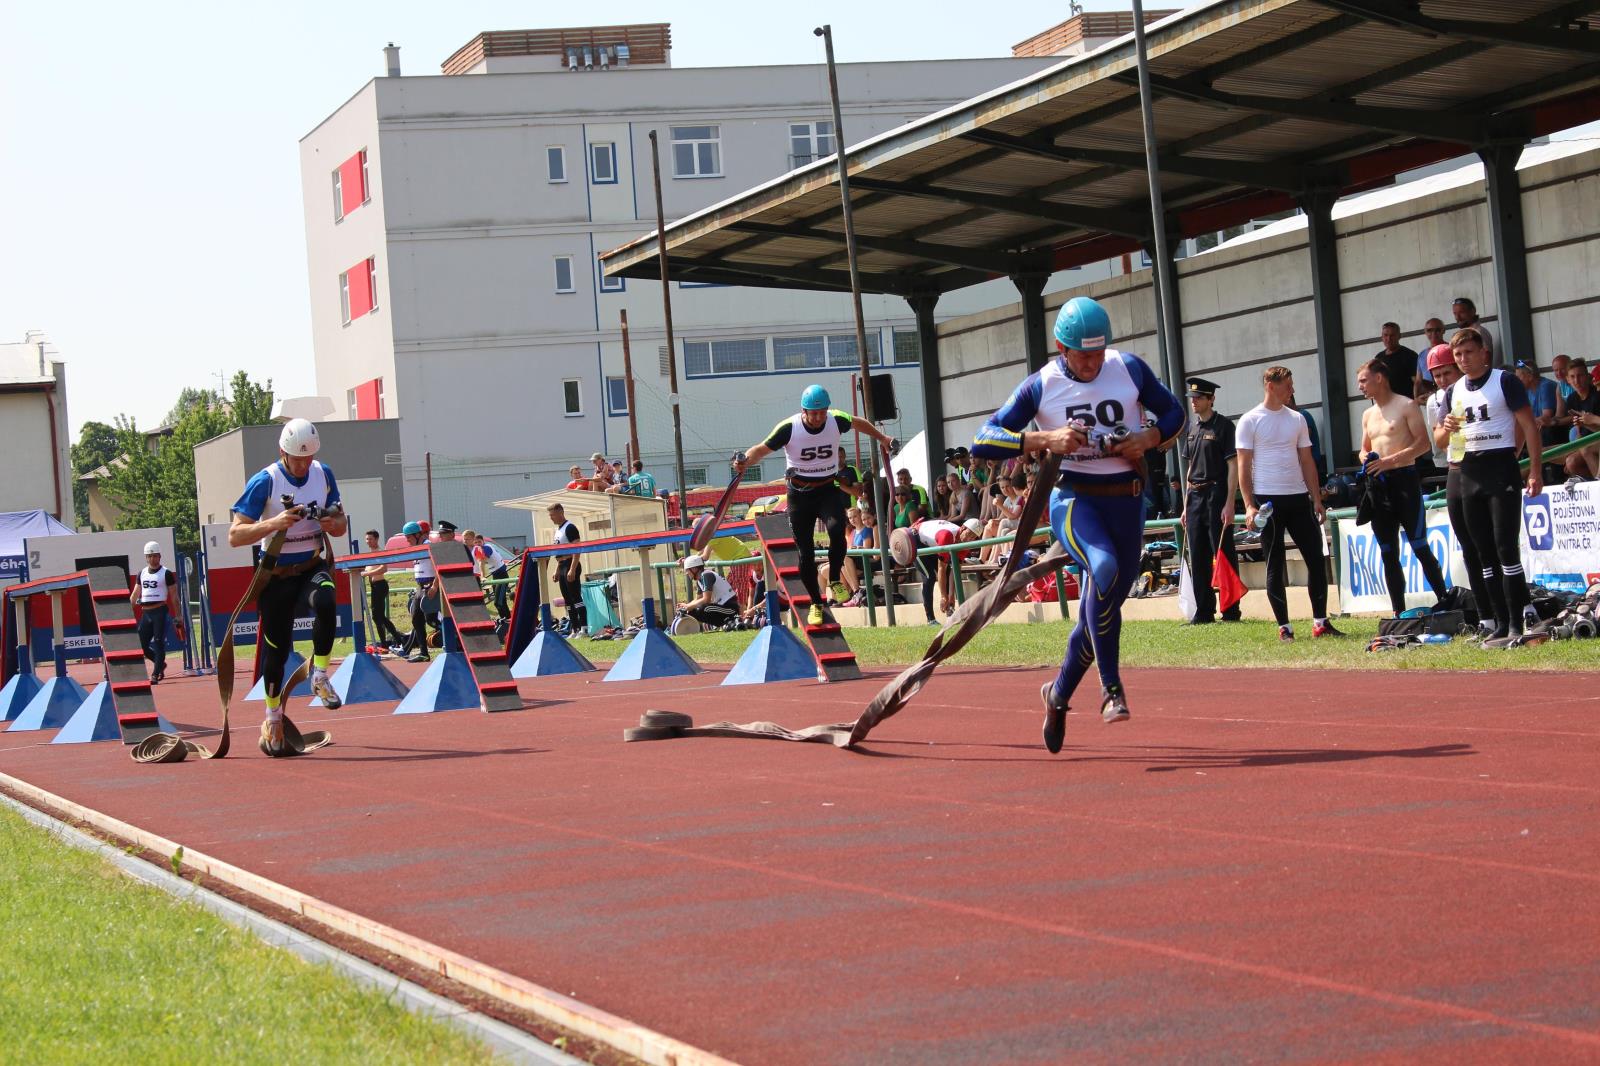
(576, 480)
(1466, 314)
(940, 507)
(642, 483)
(1583, 413)
(1544, 397)
(902, 477)
(1432, 334)
(1275, 464)
(847, 574)
(1008, 509)
(1558, 370)
(958, 458)
(963, 499)
(905, 503)
(601, 478)
(714, 604)
(1399, 362)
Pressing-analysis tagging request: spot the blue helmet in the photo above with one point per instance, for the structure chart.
(815, 398)
(411, 529)
(1083, 324)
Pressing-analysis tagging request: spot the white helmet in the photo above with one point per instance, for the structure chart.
(299, 437)
(152, 548)
(692, 561)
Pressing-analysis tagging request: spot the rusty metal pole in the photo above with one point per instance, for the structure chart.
(627, 378)
(672, 347)
(881, 502)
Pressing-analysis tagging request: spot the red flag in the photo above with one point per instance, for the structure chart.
(1225, 579)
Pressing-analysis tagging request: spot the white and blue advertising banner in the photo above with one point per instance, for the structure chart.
(1362, 589)
(1561, 536)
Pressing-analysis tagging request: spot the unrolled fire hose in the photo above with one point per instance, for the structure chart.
(984, 607)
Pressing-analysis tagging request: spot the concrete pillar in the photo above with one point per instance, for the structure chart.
(1035, 330)
(922, 306)
(1329, 317)
(1514, 330)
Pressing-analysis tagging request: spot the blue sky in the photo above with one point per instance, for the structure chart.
(150, 195)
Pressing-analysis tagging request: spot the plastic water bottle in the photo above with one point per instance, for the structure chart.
(1263, 515)
(1434, 638)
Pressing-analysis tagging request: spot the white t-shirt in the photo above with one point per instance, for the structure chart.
(1274, 439)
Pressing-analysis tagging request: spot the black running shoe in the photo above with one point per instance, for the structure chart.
(1055, 719)
(1114, 707)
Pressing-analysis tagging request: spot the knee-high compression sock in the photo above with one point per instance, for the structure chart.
(324, 621)
(1515, 591)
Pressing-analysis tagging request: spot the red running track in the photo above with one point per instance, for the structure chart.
(1321, 867)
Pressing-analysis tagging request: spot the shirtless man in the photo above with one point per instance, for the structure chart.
(1392, 437)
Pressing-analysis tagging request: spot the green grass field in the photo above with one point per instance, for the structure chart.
(1247, 645)
(96, 968)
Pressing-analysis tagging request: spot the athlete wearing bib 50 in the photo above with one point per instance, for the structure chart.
(301, 579)
(811, 442)
(1480, 416)
(1101, 410)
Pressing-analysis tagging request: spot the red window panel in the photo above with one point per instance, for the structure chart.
(360, 279)
(369, 399)
(351, 193)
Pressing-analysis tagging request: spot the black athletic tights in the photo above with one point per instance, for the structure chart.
(1484, 494)
(828, 504)
(1294, 515)
(284, 599)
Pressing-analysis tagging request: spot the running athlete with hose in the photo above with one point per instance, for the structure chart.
(811, 442)
(276, 498)
(1102, 410)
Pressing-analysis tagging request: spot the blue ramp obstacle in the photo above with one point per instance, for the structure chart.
(17, 694)
(549, 653)
(97, 720)
(651, 654)
(447, 685)
(54, 705)
(775, 655)
(361, 678)
(258, 691)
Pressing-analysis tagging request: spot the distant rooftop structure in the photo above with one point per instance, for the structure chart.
(28, 360)
(578, 48)
(1084, 32)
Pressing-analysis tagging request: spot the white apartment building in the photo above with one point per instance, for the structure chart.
(453, 224)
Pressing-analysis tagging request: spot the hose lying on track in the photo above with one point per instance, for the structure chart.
(970, 618)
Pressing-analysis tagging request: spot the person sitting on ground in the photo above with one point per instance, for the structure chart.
(715, 603)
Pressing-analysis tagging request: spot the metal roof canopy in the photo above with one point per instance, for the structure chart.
(1259, 103)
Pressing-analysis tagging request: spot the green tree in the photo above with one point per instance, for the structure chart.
(156, 485)
(96, 446)
(189, 399)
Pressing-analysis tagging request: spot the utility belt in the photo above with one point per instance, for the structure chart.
(1201, 484)
(305, 566)
(1106, 488)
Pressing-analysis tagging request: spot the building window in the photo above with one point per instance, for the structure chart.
(745, 356)
(358, 290)
(694, 475)
(564, 281)
(366, 185)
(603, 163)
(809, 142)
(350, 185)
(907, 347)
(697, 151)
(617, 284)
(842, 350)
(616, 396)
(350, 404)
(798, 353)
(572, 397)
(555, 161)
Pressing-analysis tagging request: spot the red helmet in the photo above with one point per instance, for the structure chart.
(426, 526)
(1440, 355)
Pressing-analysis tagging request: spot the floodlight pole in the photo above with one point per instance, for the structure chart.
(1166, 306)
(880, 502)
(672, 348)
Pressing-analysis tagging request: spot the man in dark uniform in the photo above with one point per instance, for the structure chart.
(1208, 501)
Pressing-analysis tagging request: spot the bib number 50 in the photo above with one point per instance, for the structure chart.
(1105, 413)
